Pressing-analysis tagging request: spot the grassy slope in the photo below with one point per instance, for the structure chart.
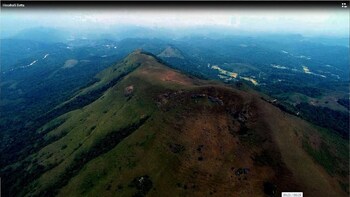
(210, 150)
(289, 133)
(328, 100)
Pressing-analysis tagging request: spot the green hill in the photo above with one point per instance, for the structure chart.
(144, 129)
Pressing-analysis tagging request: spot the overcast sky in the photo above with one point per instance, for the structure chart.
(307, 22)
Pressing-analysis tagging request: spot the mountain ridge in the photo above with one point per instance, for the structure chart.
(174, 133)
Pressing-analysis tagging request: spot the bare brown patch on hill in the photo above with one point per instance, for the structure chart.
(223, 149)
(161, 73)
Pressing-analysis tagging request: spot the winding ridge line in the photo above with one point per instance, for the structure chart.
(76, 103)
(26, 177)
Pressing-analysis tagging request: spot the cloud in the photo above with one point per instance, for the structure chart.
(326, 22)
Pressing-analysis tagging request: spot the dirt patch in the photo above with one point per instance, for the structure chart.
(70, 63)
(162, 73)
(173, 76)
(128, 91)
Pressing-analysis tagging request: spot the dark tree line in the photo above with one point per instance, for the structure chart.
(326, 117)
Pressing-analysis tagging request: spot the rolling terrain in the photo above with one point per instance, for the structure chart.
(144, 129)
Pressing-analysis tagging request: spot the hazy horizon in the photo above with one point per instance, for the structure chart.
(329, 23)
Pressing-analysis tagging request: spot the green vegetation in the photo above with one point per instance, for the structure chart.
(325, 117)
(344, 102)
(102, 146)
(91, 95)
(295, 88)
(323, 156)
(330, 151)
